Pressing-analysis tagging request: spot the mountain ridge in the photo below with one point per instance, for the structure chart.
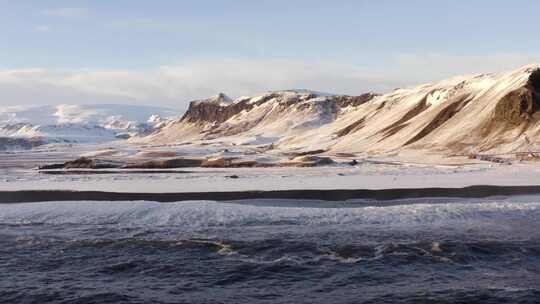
(485, 113)
(462, 115)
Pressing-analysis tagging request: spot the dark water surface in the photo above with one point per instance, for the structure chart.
(206, 252)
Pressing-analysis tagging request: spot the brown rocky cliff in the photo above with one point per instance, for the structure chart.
(521, 105)
(211, 111)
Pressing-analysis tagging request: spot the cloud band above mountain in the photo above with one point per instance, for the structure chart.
(176, 85)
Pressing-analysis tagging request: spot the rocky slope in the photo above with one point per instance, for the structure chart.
(488, 113)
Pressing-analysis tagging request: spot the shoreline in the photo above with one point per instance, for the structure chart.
(477, 191)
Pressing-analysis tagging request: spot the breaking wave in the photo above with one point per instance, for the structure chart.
(201, 214)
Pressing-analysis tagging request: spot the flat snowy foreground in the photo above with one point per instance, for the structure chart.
(373, 176)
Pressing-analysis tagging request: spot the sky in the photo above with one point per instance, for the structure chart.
(169, 52)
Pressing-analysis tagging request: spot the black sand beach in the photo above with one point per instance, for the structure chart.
(479, 191)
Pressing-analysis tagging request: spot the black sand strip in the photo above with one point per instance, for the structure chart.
(326, 195)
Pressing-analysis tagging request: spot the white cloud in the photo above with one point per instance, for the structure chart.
(437, 66)
(68, 12)
(42, 28)
(176, 85)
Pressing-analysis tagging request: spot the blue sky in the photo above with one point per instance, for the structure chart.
(169, 52)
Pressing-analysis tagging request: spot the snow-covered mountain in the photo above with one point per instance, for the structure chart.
(79, 123)
(493, 113)
(487, 113)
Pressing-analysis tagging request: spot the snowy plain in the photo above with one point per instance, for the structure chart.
(367, 174)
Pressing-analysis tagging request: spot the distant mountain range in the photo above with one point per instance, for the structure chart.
(28, 127)
(487, 113)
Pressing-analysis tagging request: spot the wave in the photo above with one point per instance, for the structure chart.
(202, 214)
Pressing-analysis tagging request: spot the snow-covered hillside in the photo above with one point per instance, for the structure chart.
(79, 123)
(488, 113)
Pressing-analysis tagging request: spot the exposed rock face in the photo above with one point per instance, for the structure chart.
(89, 163)
(520, 105)
(82, 163)
(218, 112)
(534, 80)
(214, 109)
(345, 101)
(517, 106)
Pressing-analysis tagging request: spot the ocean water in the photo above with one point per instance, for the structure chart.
(458, 251)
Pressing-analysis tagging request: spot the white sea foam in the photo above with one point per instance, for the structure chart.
(200, 214)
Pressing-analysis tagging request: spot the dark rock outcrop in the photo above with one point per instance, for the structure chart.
(345, 101)
(213, 111)
(521, 104)
(534, 80)
(166, 164)
(17, 143)
(83, 163)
